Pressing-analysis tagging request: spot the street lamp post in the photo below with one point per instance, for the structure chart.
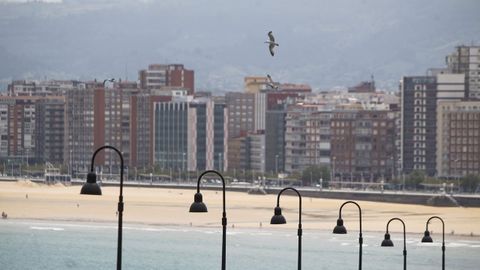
(278, 218)
(333, 169)
(457, 174)
(276, 165)
(183, 163)
(70, 164)
(340, 229)
(428, 239)
(387, 242)
(91, 187)
(199, 207)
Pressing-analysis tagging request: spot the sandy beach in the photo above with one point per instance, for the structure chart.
(158, 206)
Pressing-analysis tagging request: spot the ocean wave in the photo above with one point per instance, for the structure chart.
(47, 228)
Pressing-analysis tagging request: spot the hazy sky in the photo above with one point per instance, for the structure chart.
(322, 43)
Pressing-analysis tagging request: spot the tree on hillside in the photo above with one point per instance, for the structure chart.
(470, 182)
(312, 174)
(414, 179)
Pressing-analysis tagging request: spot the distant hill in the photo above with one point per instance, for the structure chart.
(322, 43)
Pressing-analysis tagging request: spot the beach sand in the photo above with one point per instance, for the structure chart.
(159, 206)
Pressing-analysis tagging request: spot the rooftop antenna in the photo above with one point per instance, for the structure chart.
(126, 72)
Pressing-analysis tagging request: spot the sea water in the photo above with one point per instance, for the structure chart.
(27, 244)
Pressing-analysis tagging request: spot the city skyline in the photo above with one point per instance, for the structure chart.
(362, 134)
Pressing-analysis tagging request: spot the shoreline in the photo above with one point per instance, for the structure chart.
(169, 207)
(230, 230)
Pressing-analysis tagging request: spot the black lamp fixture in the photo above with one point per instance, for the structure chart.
(278, 218)
(91, 187)
(387, 242)
(428, 239)
(199, 207)
(340, 229)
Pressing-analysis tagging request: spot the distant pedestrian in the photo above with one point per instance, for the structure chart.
(78, 205)
(26, 196)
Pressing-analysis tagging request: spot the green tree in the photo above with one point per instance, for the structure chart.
(470, 182)
(414, 179)
(312, 174)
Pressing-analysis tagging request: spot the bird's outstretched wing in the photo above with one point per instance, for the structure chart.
(270, 36)
(271, 49)
(269, 78)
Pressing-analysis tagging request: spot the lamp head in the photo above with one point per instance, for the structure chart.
(387, 242)
(427, 238)
(198, 206)
(91, 187)
(278, 218)
(339, 229)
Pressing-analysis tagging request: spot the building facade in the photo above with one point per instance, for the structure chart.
(466, 60)
(50, 130)
(307, 137)
(362, 145)
(458, 138)
(190, 135)
(157, 76)
(419, 98)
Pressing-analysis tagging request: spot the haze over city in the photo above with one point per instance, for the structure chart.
(324, 43)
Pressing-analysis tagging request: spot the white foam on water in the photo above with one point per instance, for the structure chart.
(260, 234)
(234, 233)
(150, 229)
(456, 244)
(46, 228)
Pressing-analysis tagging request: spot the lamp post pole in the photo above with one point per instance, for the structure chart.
(199, 206)
(279, 219)
(276, 165)
(333, 169)
(340, 229)
(70, 164)
(428, 239)
(120, 199)
(387, 242)
(183, 163)
(457, 174)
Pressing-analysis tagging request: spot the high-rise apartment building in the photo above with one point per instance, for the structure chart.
(255, 150)
(50, 130)
(18, 121)
(419, 97)
(32, 128)
(79, 128)
(458, 138)
(158, 76)
(466, 60)
(40, 88)
(307, 137)
(362, 145)
(190, 134)
(255, 84)
(95, 116)
(275, 138)
(241, 113)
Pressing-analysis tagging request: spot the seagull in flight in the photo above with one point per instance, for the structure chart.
(271, 83)
(271, 43)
